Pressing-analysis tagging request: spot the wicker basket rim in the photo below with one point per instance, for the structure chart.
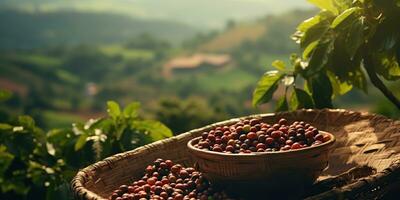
(327, 144)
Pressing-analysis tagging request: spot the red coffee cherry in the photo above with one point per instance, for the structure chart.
(251, 135)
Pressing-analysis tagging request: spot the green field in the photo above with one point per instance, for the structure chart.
(56, 119)
(126, 53)
(233, 80)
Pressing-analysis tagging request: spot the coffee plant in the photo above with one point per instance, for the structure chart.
(340, 46)
(35, 164)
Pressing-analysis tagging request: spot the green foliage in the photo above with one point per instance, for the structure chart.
(266, 87)
(300, 99)
(336, 43)
(39, 165)
(183, 116)
(5, 95)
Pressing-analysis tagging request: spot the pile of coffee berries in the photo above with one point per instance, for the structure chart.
(252, 135)
(164, 180)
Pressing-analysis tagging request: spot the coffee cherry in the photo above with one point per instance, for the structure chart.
(175, 169)
(296, 146)
(224, 139)
(229, 148)
(254, 122)
(234, 135)
(269, 141)
(163, 165)
(276, 134)
(261, 138)
(242, 137)
(319, 137)
(231, 142)
(289, 142)
(252, 149)
(217, 148)
(282, 121)
(309, 134)
(239, 129)
(151, 181)
(211, 138)
(286, 147)
(246, 128)
(253, 129)
(251, 135)
(261, 146)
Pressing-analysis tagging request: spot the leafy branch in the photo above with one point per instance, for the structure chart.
(39, 164)
(338, 45)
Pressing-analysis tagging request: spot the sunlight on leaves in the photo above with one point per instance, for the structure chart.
(266, 86)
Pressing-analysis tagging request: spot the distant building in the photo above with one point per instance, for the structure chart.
(196, 63)
(91, 89)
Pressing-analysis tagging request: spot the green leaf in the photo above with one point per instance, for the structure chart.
(355, 37)
(26, 121)
(387, 66)
(309, 49)
(156, 130)
(6, 159)
(308, 23)
(80, 143)
(266, 87)
(5, 95)
(300, 99)
(339, 88)
(113, 109)
(282, 104)
(359, 80)
(132, 109)
(279, 65)
(119, 130)
(5, 127)
(307, 87)
(398, 52)
(344, 4)
(344, 18)
(320, 56)
(325, 4)
(321, 91)
(314, 33)
(390, 40)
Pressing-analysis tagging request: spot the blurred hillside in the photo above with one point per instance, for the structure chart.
(88, 58)
(26, 30)
(203, 14)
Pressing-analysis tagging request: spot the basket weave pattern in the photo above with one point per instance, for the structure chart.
(361, 139)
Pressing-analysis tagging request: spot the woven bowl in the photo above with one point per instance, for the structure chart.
(263, 170)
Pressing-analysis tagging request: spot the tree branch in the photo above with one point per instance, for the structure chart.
(369, 67)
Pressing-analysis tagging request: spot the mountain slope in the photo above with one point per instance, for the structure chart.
(267, 34)
(29, 30)
(204, 14)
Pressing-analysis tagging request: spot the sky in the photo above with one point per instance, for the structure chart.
(199, 13)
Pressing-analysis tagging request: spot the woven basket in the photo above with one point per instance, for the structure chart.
(361, 139)
(252, 173)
